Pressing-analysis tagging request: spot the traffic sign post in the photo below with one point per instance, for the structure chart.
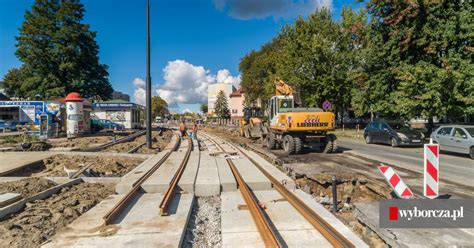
(327, 105)
(395, 182)
(431, 171)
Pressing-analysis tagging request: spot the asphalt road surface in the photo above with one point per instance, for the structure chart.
(453, 167)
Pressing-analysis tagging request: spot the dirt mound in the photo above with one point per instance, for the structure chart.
(41, 219)
(101, 166)
(26, 187)
(53, 166)
(159, 142)
(82, 142)
(159, 145)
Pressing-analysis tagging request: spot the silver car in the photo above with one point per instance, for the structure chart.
(455, 138)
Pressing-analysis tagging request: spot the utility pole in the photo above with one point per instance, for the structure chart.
(148, 77)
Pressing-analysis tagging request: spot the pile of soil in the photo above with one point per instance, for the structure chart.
(82, 142)
(229, 133)
(14, 140)
(158, 143)
(112, 166)
(41, 219)
(26, 187)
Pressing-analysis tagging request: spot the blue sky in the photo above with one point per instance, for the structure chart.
(192, 40)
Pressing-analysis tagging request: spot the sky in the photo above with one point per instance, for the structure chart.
(193, 42)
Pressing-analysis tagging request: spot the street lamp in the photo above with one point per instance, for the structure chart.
(148, 78)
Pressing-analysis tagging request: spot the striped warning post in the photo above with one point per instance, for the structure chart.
(431, 174)
(395, 182)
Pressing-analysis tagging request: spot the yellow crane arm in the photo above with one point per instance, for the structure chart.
(282, 88)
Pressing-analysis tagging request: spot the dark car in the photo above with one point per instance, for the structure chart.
(109, 125)
(396, 134)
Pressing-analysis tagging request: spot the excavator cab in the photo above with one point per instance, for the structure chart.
(279, 104)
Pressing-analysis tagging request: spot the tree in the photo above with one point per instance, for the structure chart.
(258, 71)
(59, 53)
(159, 106)
(204, 108)
(221, 107)
(12, 82)
(429, 49)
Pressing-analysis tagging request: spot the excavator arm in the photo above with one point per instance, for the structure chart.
(282, 88)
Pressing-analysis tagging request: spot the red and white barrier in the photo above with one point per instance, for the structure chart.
(431, 178)
(395, 182)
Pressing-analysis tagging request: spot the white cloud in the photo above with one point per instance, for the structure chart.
(187, 83)
(250, 9)
(140, 91)
(224, 76)
(186, 111)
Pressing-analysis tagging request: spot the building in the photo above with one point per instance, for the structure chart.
(117, 95)
(236, 104)
(36, 115)
(212, 92)
(120, 112)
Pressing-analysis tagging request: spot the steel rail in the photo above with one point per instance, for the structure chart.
(112, 215)
(330, 233)
(261, 221)
(170, 192)
(112, 143)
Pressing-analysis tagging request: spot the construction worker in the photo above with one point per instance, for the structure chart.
(182, 129)
(194, 131)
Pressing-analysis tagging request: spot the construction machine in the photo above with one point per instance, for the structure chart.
(251, 125)
(291, 127)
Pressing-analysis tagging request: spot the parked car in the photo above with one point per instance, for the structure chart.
(8, 125)
(107, 124)
(455, 138)
(12, 125)
(96, 126)
(396, 134)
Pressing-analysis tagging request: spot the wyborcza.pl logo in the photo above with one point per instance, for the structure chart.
(423, 213)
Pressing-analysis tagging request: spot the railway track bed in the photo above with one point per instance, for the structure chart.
(156, 201)
(139, 226)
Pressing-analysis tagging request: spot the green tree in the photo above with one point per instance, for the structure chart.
(204, 108)
(12, 82)
(258, 71)
(159, 106)
(59, 53)
(428, 46)
(221, 107)
(314, 59)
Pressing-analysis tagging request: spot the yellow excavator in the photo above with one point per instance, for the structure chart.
(291, 127)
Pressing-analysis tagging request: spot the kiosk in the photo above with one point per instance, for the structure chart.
(75, 115)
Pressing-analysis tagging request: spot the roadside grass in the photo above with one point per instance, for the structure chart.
(350, 133)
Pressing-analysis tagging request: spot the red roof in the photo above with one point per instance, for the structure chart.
(236, 93)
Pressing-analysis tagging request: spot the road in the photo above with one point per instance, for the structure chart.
(456, 168)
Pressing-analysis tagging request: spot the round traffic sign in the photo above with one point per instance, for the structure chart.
(327, 105)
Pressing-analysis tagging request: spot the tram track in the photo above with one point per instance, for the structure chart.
(262, 221)
(112, 143)
(118, 208)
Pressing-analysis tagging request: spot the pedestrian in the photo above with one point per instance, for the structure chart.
(182, 129)
(195, 130)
